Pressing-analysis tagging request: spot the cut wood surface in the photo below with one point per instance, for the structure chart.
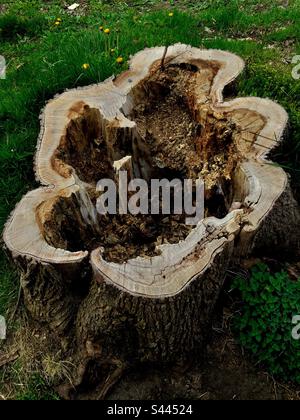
(161, 295)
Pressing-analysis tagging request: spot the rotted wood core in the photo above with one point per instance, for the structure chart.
(173, 138)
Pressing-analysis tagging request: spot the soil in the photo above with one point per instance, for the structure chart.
(175, 140)
(225, 373)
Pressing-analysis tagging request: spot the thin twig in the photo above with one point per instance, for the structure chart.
(162, 64)
(250, 123)
(260, 135)
(17, 304)
(275, 388)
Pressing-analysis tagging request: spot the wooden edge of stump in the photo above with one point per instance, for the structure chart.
(259, 184)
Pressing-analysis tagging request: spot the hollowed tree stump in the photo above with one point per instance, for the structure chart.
(144, 287)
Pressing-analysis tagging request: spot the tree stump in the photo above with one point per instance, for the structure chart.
(143, 288)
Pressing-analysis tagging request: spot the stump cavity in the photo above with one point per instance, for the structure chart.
(200, 144)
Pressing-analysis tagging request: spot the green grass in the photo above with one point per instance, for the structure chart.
(8, 287)
(44, 59)
(28, 385)
(37, 389)
(14, 27)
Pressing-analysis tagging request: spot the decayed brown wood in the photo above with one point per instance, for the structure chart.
(157, 304)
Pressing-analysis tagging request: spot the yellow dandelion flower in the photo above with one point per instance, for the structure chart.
(58, 20)
(171, 14)
(120, 60)
(57, 23)
(85, 66)
(107, 31)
